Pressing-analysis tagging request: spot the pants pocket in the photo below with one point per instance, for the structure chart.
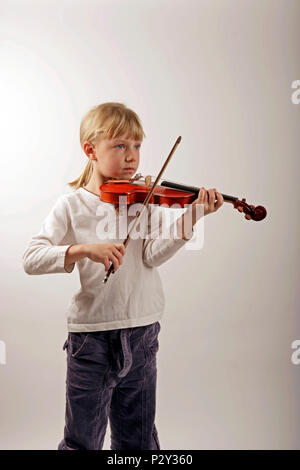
(92, 348)
(151, 341)
(66, 343)
(78, 343)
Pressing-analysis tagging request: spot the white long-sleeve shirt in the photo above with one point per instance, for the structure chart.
(133, 295)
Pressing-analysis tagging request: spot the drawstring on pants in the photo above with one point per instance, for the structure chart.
(125, 351)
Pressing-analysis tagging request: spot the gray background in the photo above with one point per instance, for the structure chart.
(219, 74)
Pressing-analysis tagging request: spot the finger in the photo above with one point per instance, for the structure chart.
(215, 198)
(219, 196)
(220, 200)
(211, 197)
(106, 263)
(122, 248)
(201, 195)
(205, 196)
(115, 261)
(119, 255)
(217, 192)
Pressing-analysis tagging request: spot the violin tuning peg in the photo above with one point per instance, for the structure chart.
(148, 180)
(248, 217)
(240, 209)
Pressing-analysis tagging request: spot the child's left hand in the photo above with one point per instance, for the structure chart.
(208, 199)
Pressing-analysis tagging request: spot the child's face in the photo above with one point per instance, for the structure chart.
(115, 155)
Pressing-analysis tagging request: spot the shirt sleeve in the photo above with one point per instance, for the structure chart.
(157, 249)
(46, 250)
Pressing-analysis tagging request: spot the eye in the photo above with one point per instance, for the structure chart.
(137, 146)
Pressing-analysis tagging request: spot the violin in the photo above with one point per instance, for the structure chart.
(167, 192)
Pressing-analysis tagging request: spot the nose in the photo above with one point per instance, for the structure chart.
(129, 157)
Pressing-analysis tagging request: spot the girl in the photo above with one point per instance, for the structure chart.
(112, 328)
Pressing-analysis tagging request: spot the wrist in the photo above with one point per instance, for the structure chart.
(78, 251)
(83, 250)
(75, 253)
(185, 225)
(197, 212)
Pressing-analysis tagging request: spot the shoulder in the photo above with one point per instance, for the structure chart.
(68, 199)
(65, 203)
(76, 201)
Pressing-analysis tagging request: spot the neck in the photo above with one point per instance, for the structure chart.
(95, 182)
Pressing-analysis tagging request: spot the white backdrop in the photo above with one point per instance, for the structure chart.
(218, 73)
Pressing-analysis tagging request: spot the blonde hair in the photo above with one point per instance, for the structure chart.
(107, 120)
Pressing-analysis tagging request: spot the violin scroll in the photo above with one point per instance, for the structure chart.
(251, 212)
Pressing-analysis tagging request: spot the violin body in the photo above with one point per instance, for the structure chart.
(132, 193)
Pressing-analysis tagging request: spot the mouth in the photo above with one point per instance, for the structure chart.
(128, 169)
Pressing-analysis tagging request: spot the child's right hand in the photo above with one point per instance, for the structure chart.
(106, 252)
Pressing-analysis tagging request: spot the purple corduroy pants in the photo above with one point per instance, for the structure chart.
(111, 375)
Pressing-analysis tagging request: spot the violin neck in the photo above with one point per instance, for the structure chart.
(192, 189)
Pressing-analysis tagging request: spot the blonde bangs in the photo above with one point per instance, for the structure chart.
(107, 121)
